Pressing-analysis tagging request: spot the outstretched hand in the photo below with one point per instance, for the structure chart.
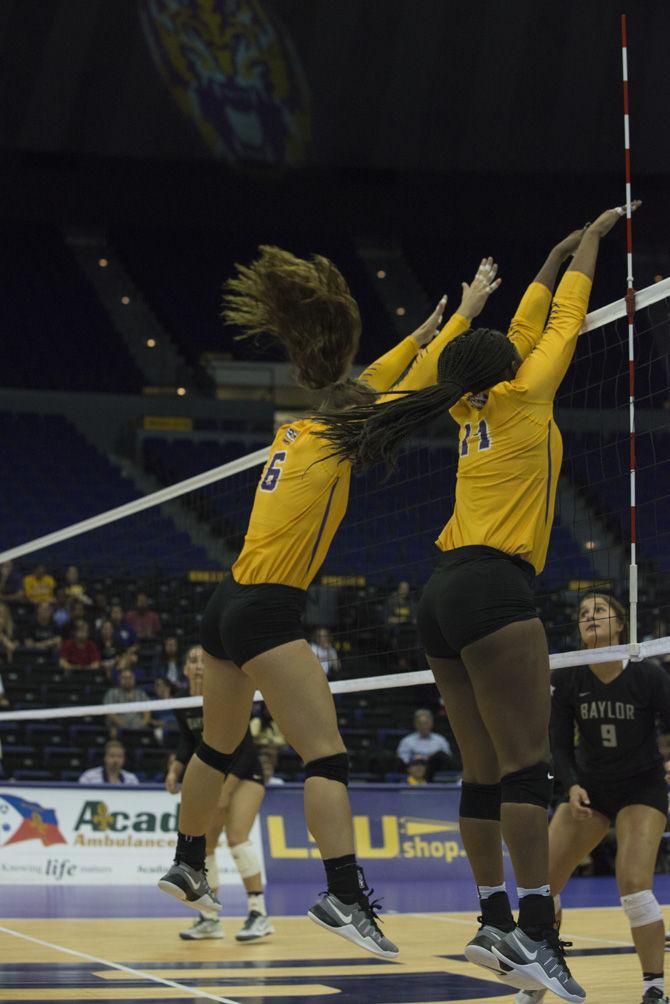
(478, 291)
(431, 326)
(606, 220)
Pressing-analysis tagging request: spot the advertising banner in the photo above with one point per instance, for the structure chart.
(402, 833)
(99, 836)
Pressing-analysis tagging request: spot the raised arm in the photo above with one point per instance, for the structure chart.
(530, 318)
(423, 373)
(540, 375)
(383, 373)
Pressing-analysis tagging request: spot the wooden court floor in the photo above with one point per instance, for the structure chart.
(134, 960)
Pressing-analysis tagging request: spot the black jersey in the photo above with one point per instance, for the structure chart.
(607, 730)
(189, 721)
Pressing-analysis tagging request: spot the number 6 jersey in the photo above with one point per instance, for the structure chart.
(615, 722)
(302, 497)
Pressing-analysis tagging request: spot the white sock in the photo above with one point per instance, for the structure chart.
(542, 890)
(257, 903)
(489, 890)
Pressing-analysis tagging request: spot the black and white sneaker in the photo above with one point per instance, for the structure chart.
(542, 962)
(256, 926)
(357, 922)
(203, 929)
(478, 950)
(189, 886)
(654, 996)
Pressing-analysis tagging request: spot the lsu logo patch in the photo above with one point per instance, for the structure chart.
(290, 435)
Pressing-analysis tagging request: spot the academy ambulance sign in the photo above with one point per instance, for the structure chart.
(83, 835)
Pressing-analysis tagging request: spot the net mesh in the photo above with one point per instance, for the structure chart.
(174, 547)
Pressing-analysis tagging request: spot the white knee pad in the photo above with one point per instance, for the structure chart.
(246, 859)
(641, 908)
(212, 871)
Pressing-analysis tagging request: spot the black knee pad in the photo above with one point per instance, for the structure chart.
(480, 801)
(210, 756)
(529, 786)
(334, 768)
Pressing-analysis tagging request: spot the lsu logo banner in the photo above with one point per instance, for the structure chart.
(401, 833)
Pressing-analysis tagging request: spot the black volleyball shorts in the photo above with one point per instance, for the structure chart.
(473, 592)
(246, 766)
(610, 796)
(241, 622)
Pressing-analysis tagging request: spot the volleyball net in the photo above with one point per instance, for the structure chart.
(175, 544)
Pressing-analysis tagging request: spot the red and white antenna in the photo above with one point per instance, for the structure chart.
(630, 312)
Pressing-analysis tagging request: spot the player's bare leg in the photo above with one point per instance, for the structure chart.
(297, 694)
(480, 797)
(639, 829)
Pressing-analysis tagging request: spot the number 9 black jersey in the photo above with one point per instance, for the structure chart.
(607, 731)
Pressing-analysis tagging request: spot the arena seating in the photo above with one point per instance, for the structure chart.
(52, 318)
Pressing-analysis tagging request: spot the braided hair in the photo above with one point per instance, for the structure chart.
(373, 433)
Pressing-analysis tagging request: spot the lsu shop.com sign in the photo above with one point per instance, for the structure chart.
(79, 835)
(402, 833)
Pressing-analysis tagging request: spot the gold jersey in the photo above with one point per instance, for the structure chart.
(301, 497)
(510, 450)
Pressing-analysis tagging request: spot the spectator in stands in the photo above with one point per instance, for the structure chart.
(145, 622)
(169, 665)
(163, 691)
(61, 610)
(426, 744)
(124, 635)
(100, 610)
(417, 770)
(110, 653)
(325, 651)
(4, 703)
(111, 771)
(7, 643)
(78, 612)
(43, 635)
(79, 652)
(400, 608)
(11, 583)
(74, 588)
(126, 692)
(40, 586)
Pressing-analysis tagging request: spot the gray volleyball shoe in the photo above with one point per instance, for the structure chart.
(190, 887)
(542, 962)
(357, 922)
(479, 949)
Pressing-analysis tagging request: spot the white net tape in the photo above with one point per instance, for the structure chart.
(647, 649)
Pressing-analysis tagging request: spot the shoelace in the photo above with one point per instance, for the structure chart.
(559, 947)
(370, 906)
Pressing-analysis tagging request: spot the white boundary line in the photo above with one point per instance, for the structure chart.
(657, 646)
(137, 973)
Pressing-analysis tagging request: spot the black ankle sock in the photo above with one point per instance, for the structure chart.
(343, 879)
(497, 912)
(536, 916)
(191, 850)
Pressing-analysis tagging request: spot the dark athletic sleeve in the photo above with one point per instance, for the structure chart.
(562, 730)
